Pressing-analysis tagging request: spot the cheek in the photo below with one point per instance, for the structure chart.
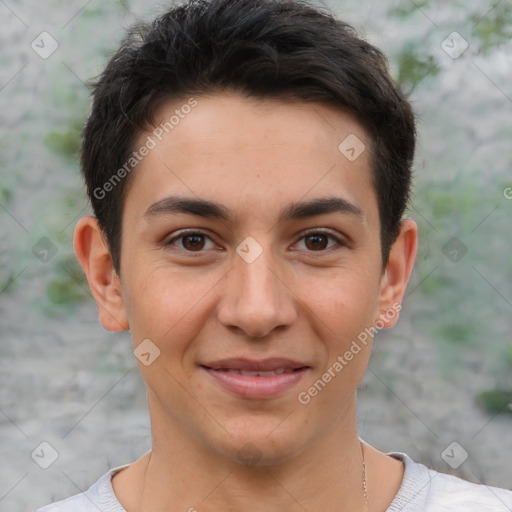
(168, 306)
(341, 310)
(344, 302)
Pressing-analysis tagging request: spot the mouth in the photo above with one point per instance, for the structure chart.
(254, 379)
(267, 373)
(271, 364)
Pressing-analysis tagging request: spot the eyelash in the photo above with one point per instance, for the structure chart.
(185, 234)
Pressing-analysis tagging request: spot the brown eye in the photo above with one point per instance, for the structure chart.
(193, 242)
(320, 241)
(316, 241)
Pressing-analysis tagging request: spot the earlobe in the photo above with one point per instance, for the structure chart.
(94, 257)
(397, 273)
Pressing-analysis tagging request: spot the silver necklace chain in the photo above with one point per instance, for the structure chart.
(365, 488)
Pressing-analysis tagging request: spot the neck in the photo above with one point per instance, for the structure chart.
(182, 474)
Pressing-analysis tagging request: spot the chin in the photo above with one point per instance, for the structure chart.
(259, 442)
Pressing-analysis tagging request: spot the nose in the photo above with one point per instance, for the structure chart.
(257, 298)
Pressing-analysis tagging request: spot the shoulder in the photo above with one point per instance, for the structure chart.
(426, 490)
(451, 493)
(100, 496)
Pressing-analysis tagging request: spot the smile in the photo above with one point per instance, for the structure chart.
(256, 380)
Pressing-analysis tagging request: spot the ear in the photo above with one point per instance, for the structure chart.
(94, 256)
(397, 273)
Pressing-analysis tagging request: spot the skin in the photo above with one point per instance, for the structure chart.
(301, 298)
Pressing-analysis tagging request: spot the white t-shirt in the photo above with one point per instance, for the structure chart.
(422, 490)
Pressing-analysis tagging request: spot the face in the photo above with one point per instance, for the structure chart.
(250, 243)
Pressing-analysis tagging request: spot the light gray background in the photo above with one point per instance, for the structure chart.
(66, 381)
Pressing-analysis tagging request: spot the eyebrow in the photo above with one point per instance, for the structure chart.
(299, 210)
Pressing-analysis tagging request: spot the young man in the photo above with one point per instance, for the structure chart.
(249, 164)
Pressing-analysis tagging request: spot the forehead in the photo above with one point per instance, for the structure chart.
(250, 153)
(231, 122)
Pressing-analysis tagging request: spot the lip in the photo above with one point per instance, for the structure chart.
(254, 365)
(281, 375)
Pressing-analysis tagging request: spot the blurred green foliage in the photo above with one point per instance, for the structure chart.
(455, 297)
(496, 401)
(68, 287)
(125, 4)
(407, 8)
(412, 68)
(6, 195)
(67, 143)
(461, 333)
(494, 28)
(7, 282)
